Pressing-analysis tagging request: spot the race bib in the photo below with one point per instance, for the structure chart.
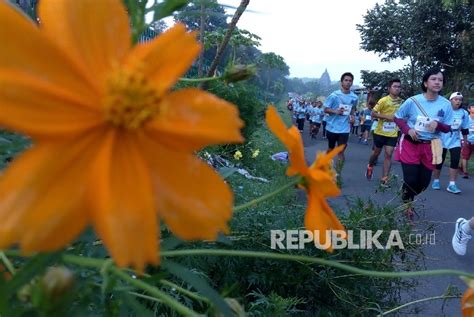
(388, 127)
(456, 124)
(368, 117)
(347, 109)
(471, 128)
(422, 124)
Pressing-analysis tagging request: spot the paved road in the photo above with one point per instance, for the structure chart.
(438, 209)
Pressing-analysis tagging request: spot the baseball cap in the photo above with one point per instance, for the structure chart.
(455, 94)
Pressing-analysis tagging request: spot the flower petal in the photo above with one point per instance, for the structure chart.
(323, 182)
(324, 160)
(42, 194)
(39, 57)
(193, 119)
(192, 198)
(95, 32)
(319, 216)
(467, 303)
(123, 209)
(291, 138)
(167, 57)
(40, 109)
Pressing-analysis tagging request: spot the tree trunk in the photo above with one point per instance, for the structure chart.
(201, 39)
(220, 51)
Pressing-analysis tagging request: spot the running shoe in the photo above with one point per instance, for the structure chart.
(453, 189)
(369, 172)
(384, 182)
(466, 176)
(460, 238)
(436, 185)
(365, 142)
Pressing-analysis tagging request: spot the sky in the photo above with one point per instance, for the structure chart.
(312, 35)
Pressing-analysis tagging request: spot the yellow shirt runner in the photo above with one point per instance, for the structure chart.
(387, 106)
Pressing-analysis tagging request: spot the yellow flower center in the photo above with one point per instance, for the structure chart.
(130, 100)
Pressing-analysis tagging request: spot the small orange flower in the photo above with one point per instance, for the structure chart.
(114, 147)
(467, 303)
(318, 179)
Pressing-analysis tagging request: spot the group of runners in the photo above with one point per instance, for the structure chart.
(418, 132)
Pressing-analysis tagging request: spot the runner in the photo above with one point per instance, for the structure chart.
(463, 231)
(421, 118)
(316, 118)
(366, 123)
(339, 105)
(324, 123)
(468, 145)
(386, 131)
(452, 142)
(356, 124)
(300, 111)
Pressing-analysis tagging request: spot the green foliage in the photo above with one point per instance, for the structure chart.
(270, 288)
(426, 33)
(246, 98)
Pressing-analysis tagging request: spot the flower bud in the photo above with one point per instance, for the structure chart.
(57, 281)
(239, 72)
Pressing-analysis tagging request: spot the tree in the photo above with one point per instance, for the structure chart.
(427, 33)
(272, 68)
(232, 25)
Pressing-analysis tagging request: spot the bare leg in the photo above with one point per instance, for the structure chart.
(453, 173)
(387, 163)
(374, 156)
(464, 165)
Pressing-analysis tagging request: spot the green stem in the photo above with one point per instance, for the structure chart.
(7, 263)
(184, 291)
(150, 298)
(416, 302)
(198, 80)
(165, 298)
(307, 259)
(267, 196)
(84, 261)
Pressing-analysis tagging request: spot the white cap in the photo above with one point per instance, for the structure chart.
(455, 94)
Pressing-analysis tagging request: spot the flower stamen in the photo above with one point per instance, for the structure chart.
(130, 100)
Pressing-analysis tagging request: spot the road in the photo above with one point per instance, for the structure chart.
(437, 210)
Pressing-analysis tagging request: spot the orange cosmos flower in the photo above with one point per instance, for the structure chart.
(318, 179)
(113, 146)
(467, 303)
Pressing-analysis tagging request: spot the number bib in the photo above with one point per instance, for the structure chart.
(456, 124)
(388, 127)
(422, 124)
(368, 117)
(347, 109)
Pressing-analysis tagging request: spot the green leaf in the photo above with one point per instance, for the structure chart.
(199, 284)
(170, 243)
(167, 8)
(130, 304)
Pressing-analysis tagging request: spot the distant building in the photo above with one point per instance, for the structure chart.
(325, 80)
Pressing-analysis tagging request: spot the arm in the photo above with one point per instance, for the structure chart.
(402, 125)
(377, 115)
(442, 127)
